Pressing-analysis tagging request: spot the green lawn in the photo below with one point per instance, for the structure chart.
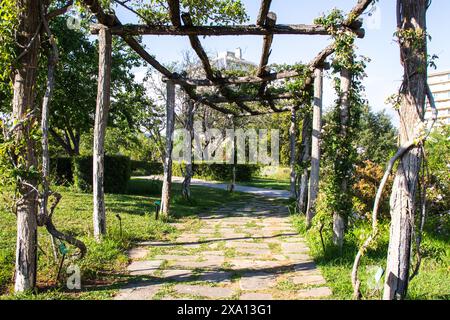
(267, 183)
(103, 261)
(433, 281)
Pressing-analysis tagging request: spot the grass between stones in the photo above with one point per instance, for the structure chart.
(106, 260)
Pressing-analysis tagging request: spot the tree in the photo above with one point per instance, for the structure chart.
(412, 38)
(72, 111)
(24, 109)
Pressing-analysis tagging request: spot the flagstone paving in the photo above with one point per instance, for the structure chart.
(245, 250)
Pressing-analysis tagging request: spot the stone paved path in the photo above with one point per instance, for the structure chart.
(246, 250)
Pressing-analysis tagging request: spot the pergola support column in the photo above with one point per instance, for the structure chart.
(292, 153)
(170, 125)
(315, 146)
(101, 119)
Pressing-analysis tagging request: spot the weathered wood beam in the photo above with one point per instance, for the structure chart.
(174, 12)
(201, 53)
(270, 21)
(101, 119)
(111, 20)
(248, 98)
(315, 146)
(197, 46)
(267, 43)
(263, 11)
(170, 126)
(236, 30)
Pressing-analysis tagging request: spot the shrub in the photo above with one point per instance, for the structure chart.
(218, 171)
(61, 170)
(117, 173)
(145, 168)
(144, 187)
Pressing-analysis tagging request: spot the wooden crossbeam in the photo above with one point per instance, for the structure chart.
(263, 11)
(110, 20)
(267, 43)
(236, 30)
(201, 53)
(247, 98)
(197, 46)
(174, 12)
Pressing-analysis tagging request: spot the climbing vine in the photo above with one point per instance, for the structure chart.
(338, 143)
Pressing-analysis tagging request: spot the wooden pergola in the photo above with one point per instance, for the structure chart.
(181, 25)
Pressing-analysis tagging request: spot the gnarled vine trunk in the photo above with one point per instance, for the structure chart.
(413, 50)
(23, 103)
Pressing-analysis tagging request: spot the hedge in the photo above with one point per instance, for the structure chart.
(61, 170)
(219, 171)
(117, 173)
(144, 168)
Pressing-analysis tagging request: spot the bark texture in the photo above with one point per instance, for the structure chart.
(189, 126)
(170, 125)
(411, 16)
(23, 103)
(292, 149)
(315, 146)
(101, 120)
(304, 161)
(339, 218)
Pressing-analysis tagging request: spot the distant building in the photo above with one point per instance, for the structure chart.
(230, 60)
(440, 87)
(226, 60)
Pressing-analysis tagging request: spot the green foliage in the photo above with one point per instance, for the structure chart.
(147, 187)
(117, 173)
(431, 283)
(73, 101)
(437, 149)
(219, 171)
(8, 24)
(338, 143)
(376, 140)
(217, 12)
(61, 170)
(145, 168)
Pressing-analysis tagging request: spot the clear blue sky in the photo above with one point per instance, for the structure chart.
(384, 71)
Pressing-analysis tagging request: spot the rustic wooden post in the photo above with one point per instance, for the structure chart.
(101, 119)
(413, 51)
(170, 125)
(22, 104)
(189, 126)
(305, 158)
(339, 220)
(292, 146)
(315, 146)
(234, 155)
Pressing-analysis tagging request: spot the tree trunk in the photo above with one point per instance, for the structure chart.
(292, 145)
(23, 103)
(412, 17)
(167, 180)
(304, 160)
(101, 119)
(315, 146)
(189, 126)
(339, 218)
